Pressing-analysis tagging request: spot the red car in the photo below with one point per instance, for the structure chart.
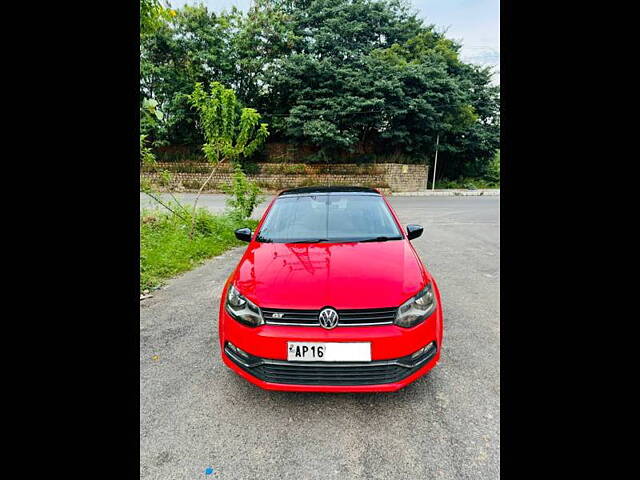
(330, 296)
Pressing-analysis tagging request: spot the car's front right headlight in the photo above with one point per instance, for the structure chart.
(242, 309)
(417, 308)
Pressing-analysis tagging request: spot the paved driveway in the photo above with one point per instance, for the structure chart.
(195, 413)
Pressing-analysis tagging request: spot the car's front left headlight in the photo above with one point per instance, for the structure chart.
(417, 308)
(243, 309)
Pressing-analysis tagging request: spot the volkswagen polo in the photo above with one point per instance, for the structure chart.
(330, 295)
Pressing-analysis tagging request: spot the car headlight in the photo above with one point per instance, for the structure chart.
(243, 309)
(417, 308)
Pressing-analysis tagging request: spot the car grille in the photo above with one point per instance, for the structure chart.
(334, 373)
(330, 375)
(347, 318)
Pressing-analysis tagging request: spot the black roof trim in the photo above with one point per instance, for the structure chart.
(336, 189)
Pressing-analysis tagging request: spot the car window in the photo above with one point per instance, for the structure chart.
(329, 218)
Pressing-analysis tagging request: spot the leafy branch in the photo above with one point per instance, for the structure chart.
(231, 131)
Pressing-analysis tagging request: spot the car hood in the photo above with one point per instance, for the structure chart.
(340, 275)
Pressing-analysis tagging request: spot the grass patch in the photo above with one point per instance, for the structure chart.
(165, 247)
(466, 183)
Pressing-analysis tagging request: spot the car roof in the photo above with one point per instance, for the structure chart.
(328, 190)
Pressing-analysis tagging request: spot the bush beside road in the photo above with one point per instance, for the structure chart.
(166, 249)
(450, 193)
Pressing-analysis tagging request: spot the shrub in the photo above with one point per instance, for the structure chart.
(147, 157)
(244, 195)
(165, 178)
(466, 183)
(493, 170)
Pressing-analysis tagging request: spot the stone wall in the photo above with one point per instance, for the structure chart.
(387, 177)
(406, 178)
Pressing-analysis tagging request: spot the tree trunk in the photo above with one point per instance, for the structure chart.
(195, 203)
(435, 163)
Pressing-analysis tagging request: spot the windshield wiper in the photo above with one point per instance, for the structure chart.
(380, 239)
(310, 240)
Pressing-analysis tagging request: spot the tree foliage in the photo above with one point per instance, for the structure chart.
(231, 132)
(364, 76)
(152, 15)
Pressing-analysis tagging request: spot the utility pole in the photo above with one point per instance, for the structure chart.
(435, 163)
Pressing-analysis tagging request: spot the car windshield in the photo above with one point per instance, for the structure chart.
(329, 218)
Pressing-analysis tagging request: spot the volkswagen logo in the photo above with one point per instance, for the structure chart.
(328, 318)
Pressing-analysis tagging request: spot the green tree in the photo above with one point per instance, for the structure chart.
(328, 91)
(363, 76)
(470, 150)
(368, 74)
(152, 16)
(194, 45)
(261, 37)
(231, 131)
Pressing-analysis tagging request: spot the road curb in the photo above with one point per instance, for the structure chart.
(449, 193)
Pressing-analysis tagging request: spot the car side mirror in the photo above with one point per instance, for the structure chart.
(243, 234)
(414, 231)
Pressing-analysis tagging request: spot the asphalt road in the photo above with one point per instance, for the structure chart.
(214, 202)
(195, 413)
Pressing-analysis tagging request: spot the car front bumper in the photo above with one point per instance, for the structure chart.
(391, 367)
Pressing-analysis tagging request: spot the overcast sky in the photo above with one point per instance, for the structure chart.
(474, 23)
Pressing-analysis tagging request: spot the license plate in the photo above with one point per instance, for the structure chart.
(329, 352)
